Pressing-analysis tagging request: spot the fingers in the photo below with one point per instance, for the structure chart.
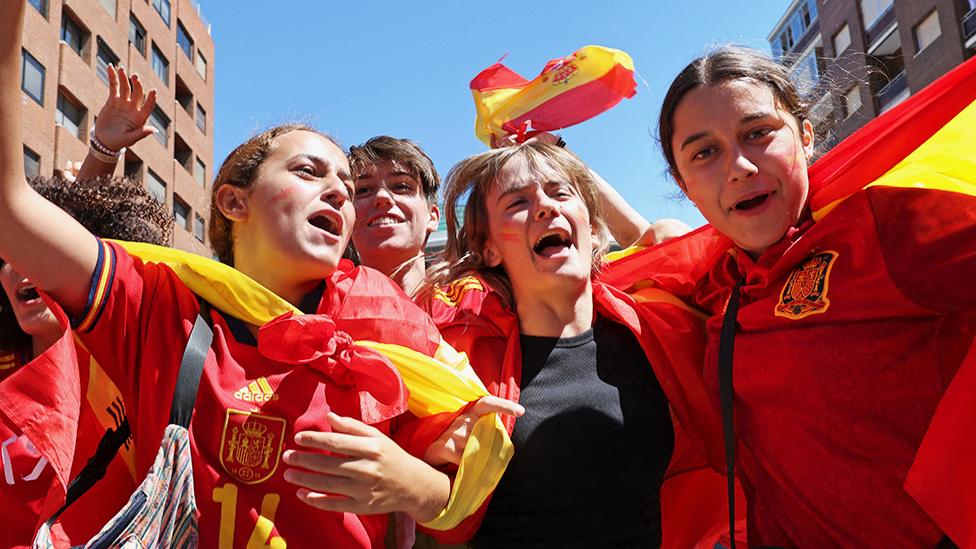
(124, 89)
(148, 106)
(321, 463)
(113, 83)
(136, 96)
(321, 483)
(342, 443)
(350, 426)
(142, 133)
(327, 502)
(497, 405)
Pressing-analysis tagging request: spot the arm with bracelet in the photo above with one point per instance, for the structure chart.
(121, 123)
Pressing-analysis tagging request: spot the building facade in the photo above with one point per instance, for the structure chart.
(859, 58)
(68, 45)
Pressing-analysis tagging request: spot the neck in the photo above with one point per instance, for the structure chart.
(279, 280)
(555, 314)
(40, 342)
(407, 272)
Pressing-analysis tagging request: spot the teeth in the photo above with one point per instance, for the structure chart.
(384, 221)
(562, 235)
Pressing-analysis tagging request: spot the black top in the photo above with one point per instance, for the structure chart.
(591, 450)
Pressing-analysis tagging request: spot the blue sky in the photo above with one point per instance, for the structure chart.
(359, 68)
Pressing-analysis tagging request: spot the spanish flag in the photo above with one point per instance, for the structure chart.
(568, 91)
(926, 142)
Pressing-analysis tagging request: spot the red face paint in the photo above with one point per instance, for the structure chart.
(284, 193)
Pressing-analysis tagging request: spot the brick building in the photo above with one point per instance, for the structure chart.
(874, 53)
(68, 45)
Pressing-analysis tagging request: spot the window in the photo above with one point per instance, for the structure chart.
(32, 163)
(183, 40)
(32, 77)
(71, 33)
(160, 121)
(199, 227)
(39, 5)
(156, 186)
(200, 172)
(181, 212)
(806, 72)
(104, 58)
(160, 65)
(852, 101)
(201, 118)
(162, 8)
(109, 6)
(201, 65)
(183, 95)
(927, 31)
(842, 40)
(871, 10)
(70, 116)
(137, 35)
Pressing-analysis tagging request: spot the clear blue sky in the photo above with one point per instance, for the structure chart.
(359, 68)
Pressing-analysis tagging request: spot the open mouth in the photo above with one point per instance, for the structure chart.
(385, 221)
(752, 203)
(28, 293)
(325, 223)
(551, 243)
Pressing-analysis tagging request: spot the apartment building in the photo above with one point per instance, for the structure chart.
(870, 54)
(68, 45)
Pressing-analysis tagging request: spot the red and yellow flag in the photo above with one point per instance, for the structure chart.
(568, 91)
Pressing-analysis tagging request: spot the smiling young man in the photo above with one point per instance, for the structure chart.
(396, 207)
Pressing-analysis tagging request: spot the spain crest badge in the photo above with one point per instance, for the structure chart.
(250, 445)
(805, 291)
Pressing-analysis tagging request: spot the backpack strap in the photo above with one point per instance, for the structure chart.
(726, 352)
(187, 382)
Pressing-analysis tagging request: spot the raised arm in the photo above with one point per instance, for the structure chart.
(120, 124)
(45, 244)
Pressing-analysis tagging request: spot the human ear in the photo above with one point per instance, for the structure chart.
(435, 218)
(232, 202)
(491, 255)
(806, 137)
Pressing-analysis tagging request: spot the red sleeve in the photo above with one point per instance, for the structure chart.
(928, 238)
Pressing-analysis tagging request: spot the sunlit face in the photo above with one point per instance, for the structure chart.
(742, 160)
(393, 218)
(299, 212)
(538, 229)
(33, 314)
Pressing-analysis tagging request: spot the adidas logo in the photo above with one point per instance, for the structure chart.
(256, 391)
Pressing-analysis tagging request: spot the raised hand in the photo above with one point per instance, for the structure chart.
(364, 472)
(122, 120)
(447, 449)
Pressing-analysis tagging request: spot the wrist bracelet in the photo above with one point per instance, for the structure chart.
(100, 147)
(102, 157)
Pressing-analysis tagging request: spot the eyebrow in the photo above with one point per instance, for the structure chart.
(745, 120)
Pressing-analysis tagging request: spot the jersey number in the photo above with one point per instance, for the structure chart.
(226, 496)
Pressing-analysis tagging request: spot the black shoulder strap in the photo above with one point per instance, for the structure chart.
(726, 349)
(188, 380)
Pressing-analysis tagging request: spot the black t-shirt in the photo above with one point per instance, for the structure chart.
(591, 450)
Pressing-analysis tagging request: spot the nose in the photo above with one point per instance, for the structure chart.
(335, 193)
(545, 207)
(383, 197)
(741, 168)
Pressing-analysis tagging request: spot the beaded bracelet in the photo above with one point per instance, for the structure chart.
(101, 152)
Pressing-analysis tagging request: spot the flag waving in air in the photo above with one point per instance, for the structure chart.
(568, 91)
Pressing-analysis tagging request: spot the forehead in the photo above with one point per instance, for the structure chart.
(523, 171)
(305, 142)
(728, 100)
(384, 169)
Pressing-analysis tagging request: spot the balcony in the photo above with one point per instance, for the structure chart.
(893, 93)
(879, 27)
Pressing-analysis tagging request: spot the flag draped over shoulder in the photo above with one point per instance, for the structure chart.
(438, 383)
(926, 142)
(568, 91)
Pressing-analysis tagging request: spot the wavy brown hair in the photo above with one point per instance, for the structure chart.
(474, 178)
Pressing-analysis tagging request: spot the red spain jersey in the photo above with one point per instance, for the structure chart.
(31, 488)
(249, 406)
(849, 332)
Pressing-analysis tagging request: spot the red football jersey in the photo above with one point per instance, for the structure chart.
(31, 489)
(850, 330)
(249, 406)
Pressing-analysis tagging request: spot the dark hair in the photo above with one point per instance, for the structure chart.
(404, 152)
(109, 208)
(239, 169)
(721, 65)
(473, 178)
